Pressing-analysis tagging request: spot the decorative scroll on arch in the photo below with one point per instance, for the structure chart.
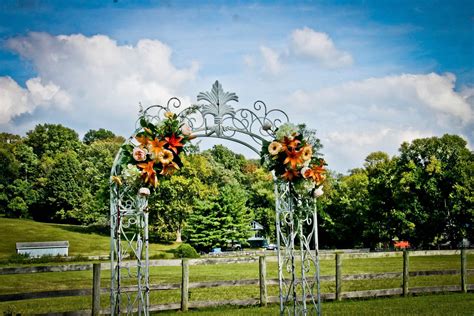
(213, 117)
(218, 119)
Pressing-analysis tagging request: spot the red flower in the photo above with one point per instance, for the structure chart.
(174, 142)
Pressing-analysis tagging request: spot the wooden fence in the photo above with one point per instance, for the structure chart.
(262, 282)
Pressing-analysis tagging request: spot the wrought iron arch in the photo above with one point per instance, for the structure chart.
(299, 288)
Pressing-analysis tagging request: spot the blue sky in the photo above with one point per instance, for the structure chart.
(366, 75)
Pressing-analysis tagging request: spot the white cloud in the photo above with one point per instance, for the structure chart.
(93, 80)
(359, 117)
(320, 47)
(271, 60)
(15, 100)
(401, 94)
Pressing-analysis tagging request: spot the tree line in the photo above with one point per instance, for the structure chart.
(423, 195)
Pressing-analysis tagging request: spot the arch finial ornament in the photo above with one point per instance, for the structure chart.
(153, 151)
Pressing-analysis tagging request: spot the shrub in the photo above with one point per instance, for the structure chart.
(186, 251)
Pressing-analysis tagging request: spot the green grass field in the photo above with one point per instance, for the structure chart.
(80, 243)
(92, 244)
(433, 305)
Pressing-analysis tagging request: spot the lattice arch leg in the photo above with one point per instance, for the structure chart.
(298, 270)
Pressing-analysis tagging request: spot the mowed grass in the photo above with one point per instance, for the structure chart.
(161, 275)
(85, 244)
(80, 243)
(433, 305)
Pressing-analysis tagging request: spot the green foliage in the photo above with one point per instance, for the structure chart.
(94, 135)
(434, 188)
(185, 251)
(424, 195)
(220, 220)
(52, 138)
(346, 210)
(26, 259)
(9, 165)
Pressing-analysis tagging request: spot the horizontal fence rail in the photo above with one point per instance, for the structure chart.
(262, 282)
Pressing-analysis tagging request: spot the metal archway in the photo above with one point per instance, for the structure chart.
(299, 286)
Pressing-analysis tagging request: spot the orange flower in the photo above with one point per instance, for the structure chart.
(290, 174)
(293, 158)
(318, 174)
(143, 140)
(290, 143)
(307, 173)
(148, 173)
(169, 169)
(156, 147)
(174, 142)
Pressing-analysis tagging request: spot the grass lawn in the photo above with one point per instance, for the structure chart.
(83, 279)
(443, 305)
(80, 243)
(13, 230)
(433, 305)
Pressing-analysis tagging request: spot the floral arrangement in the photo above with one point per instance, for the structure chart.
(154, 151)
(292, 156)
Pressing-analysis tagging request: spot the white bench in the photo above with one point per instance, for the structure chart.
(43, 248)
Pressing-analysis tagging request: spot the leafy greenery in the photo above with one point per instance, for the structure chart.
(185, 251)
(424, 195)
(221, 220)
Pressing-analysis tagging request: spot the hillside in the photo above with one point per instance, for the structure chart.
(80, 242)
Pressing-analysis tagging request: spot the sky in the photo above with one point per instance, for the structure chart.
(366, 75)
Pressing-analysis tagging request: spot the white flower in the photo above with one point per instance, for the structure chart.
(186, 130)
(318, 192)
(139, 154)
(131, 173)
(144, 191)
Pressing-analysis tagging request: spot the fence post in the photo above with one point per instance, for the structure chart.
(185, 285)
(263, 280)
(406, 262)
(338, 276)
(463, 270)
(96, 289)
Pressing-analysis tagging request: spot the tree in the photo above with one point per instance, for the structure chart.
(174, 201)
(261, 196)
(9, 165)
(96, 161)
(61, 189)
(219, 220)
(7, 138)
(95, 135)
(435, 189)
(52, 138)
(345, 207)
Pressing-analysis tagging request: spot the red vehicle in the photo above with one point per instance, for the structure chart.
(401, 244)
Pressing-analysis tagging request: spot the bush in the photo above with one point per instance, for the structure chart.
(26, 259)
(186, 251)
